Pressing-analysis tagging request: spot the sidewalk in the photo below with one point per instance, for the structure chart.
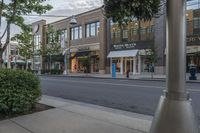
(74, 117)
(144, 76)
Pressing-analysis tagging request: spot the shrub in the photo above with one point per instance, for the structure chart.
(19, 91)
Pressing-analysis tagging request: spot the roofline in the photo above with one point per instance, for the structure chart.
(38, 21)
(74, 15)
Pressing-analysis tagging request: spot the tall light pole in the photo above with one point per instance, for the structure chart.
(67, 51)
(174, 113)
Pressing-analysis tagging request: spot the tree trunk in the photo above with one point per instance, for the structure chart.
(139, 33)
(1, 57)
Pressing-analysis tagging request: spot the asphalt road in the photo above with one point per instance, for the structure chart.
(130, 95)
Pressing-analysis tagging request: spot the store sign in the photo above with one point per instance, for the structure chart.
(193, 40)
(193, 49)
(83, 49)
(124, 46)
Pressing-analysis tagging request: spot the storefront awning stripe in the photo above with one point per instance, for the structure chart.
(124, 53)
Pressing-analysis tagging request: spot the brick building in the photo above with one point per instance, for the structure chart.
(94, 43)
(85, 43)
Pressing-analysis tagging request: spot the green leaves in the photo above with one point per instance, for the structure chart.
(25, 40)
(125, 10)
(13, 10)
(19, 90)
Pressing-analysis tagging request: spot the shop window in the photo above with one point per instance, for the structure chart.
(142, 31)
(37, 42)
(196, 23)
(92, 29)
(125, 35)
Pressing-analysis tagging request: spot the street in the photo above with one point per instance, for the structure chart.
(130, 95)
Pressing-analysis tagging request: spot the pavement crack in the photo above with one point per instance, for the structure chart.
(21, 126)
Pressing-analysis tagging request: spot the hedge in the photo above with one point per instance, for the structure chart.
(19, 91)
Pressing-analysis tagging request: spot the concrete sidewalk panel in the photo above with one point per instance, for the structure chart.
(7, 126)
(61, 121)
(134, 122)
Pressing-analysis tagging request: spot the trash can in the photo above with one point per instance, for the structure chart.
(193, 70)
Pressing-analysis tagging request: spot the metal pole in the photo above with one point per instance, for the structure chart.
(65, 61)
(174, 113)
(50, 63)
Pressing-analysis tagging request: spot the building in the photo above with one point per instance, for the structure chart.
(94, 43)
(12, 58)
(84, 43)
(129, 46)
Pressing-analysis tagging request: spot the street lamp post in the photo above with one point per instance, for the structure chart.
(174, 113)
(67, 51)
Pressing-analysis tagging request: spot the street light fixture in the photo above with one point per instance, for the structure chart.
(73, 20)
(67, 50)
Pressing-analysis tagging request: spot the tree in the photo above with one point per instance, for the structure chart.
(125, 10)
(53, 46)
(12, 11)
(25, 44)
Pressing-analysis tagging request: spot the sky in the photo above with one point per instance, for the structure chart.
(68, 8)
(60, 8)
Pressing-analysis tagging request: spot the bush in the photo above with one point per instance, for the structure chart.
(19, 91)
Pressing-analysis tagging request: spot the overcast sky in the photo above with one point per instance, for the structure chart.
(70, 7)
(61, 8)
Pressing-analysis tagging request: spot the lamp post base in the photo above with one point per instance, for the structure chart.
(174, 116)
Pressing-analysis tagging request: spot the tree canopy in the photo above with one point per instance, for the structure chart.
(126, 10)
(13, 10)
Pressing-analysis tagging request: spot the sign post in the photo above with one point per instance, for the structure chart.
(114, 70)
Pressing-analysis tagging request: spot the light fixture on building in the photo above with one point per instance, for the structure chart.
(73, 20)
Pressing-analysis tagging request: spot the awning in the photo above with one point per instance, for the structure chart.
(124, 53)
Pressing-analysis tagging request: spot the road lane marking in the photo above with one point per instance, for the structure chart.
(114, 84)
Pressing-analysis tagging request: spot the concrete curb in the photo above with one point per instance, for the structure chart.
(142, 79)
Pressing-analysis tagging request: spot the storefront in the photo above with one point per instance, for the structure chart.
(130, 57)
(134, 61)
(85, 59)
(193, 57)
(193, 51)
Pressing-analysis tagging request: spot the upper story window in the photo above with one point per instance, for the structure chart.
(63, 38)
(196, 23)
(92, 29)
(76, 33)
(37, 42)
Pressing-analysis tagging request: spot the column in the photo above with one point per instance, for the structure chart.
(174, 113)
(110, 65)
(121, 66)
(139, 64)
(134, 65)
(125, 65)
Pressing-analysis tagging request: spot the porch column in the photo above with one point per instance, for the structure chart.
(134, 65)
(139, 64)
(121, 66)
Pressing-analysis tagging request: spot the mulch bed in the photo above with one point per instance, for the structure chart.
(38, 108)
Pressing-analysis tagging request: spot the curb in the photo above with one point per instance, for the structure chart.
(142, 79)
